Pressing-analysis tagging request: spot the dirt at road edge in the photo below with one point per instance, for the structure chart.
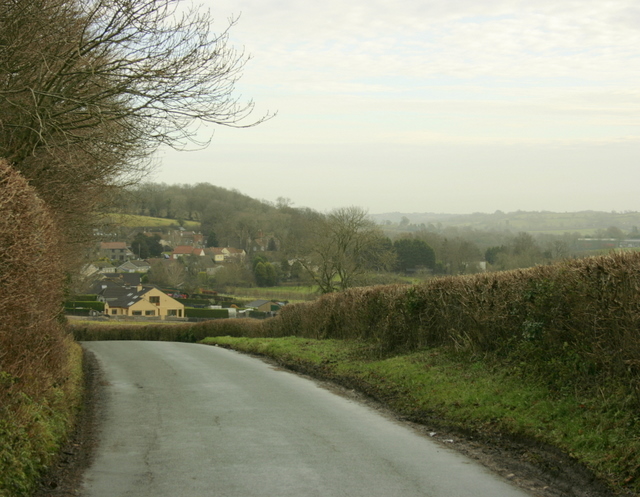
(64, 478)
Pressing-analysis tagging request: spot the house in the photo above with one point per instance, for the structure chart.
(230, 252)
(216, 253)
(116, 251)
(264, 306)
(108, 286)
(125, 279)
(98, 267)
(149, 302)
(184, 237)
(182, 250)
(134, 266)
(208, 265)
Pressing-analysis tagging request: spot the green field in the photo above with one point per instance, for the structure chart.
(133, 221)
(279, 293)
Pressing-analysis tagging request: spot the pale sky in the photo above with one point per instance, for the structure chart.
(453, 106)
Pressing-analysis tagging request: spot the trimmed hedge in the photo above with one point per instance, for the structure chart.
(89, 297)
(87, 304)
(187, 332)
(257, 314)
(192, 302)
(206, 313)
(39, 378)
(73, 311)
(574, 323)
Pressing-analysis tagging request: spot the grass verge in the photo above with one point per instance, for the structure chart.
(32, 431)
(467, 394)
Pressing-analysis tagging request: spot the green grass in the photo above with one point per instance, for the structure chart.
(288, 293)
(439, 386)
(32, 431)
(133, 221)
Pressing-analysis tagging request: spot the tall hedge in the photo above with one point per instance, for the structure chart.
(35, 352)
(577, 321)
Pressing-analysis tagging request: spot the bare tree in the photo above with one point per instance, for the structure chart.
(342, 247)
(89, 89)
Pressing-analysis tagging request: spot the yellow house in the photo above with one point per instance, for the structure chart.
(149, 302)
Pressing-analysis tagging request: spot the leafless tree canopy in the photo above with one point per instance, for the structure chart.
(342, 247)
(90, 88)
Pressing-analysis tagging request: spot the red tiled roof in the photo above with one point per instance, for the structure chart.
(113, 245)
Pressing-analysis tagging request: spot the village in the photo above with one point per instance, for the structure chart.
(120, 285)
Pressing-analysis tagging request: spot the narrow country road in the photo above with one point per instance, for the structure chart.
(188, 420)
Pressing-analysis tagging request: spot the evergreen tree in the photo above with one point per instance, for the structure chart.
(412, 253)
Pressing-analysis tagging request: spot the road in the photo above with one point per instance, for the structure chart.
(189, 420)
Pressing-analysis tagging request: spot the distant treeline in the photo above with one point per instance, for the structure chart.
(594, 223)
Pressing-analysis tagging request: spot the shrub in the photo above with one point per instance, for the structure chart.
(86, 297)
(206, 313)
(36, 355)
(87, 304)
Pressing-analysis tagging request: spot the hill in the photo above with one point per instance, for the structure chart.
(585, 222)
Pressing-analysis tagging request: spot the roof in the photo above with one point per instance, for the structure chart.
(257, 303)
(128, 297)
(235, 250)
(183, 249)
(187, 250)
(116, 280)
(136, 263)
(113, 245)
(102, 264)
(214, 250)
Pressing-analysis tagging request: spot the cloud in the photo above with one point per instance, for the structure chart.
(464, 39)
(513, 104)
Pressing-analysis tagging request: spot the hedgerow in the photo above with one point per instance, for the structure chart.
(39, 382)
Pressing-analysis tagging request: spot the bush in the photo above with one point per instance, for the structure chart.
(192, 302)
(187, 332)
(574, 323)
(206, 313)
(87, 304)
(38, 385)
(86, 297)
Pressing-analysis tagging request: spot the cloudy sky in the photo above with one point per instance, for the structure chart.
(453, 106)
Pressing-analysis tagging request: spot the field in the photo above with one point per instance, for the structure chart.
(133, 221)
(279, 293)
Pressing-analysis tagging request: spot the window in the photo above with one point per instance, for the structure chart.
(114, 311)
(149, 313)
(136, 313)
(172, 312)
(155, 300)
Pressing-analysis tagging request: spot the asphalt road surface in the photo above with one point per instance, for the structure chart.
(188, 420)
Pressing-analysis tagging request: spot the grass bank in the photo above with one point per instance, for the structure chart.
(468, 394)
(32, 430)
